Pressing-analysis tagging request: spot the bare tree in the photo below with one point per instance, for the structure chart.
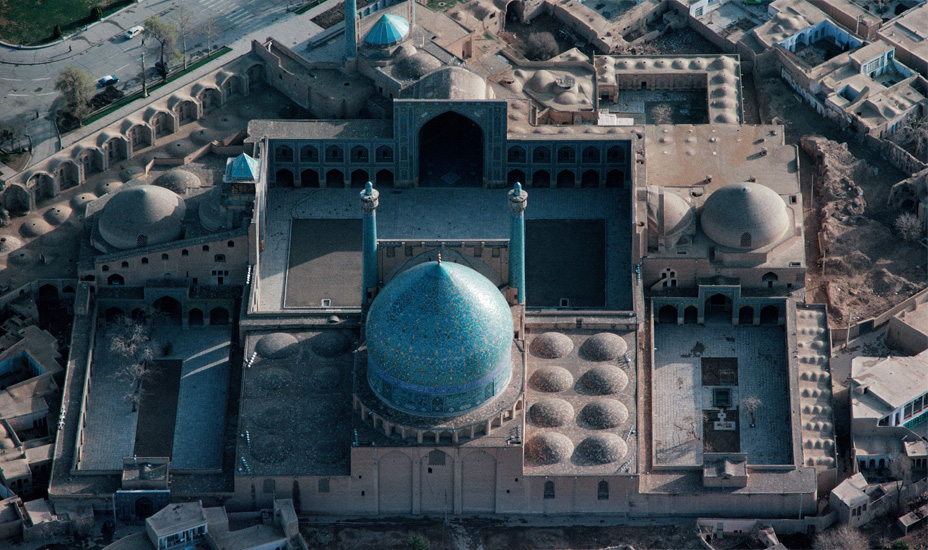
(750, 405)
(843, 537)
(541, 46)
(77, 88)
(183, 19)
(133, 344)
(908, 227)
(210, 31)
(901, 470)
(915, 130)
(166, 35)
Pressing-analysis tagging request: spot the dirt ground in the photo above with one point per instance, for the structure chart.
(868, 268)
(477, 534)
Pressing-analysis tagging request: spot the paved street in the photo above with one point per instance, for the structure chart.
(27, 75)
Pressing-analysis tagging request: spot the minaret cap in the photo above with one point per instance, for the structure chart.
(370, 198)
(517, 199)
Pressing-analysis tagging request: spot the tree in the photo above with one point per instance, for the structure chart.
(166, 35)
(901, 470)
(908, 227)
(915, 130)
(133, 344)
(183, 18)
(418, 542)
(542, 46)
(843, 537)
(77, 88)
(210, 32)
(750, 405)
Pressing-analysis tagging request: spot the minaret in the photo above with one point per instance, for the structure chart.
(369, 203)
(351, 30)
(517, 201)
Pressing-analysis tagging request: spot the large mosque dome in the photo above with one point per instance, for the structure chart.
(142, 215)
(439, 341)
(744, 215)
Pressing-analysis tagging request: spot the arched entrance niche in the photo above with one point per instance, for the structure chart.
(359, 179)
(169, 306)
(384, 178)
(219, 316)
(770, 315)
(451, 152)
(667, 315)
(718, 308)
(309, 178)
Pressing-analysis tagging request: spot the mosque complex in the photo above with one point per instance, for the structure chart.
(472, 285)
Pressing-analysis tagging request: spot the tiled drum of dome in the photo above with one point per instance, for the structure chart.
(439, 341)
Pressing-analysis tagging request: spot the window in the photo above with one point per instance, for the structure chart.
(105, 268)
(205, 248)
(219, 258)
(541, 154)
(324, 485)
(185, 252)
(164, 256)
(231, 244)
(908, 410)
(125, 264)
(283, 153)
(144, 261)
(549, 489)
(602, 492)
(436, 458)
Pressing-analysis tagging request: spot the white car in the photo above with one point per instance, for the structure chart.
(134, 31)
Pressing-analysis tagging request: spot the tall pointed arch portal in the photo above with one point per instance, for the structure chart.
(451, 152)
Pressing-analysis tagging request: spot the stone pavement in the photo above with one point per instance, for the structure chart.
(109, 431)
(679, 397)
(440, 214)
(204, 388)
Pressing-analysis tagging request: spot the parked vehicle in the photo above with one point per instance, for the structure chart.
(107, 80)
(134, 31)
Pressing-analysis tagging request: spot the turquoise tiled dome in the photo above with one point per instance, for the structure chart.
(439, 340)
(389, 30)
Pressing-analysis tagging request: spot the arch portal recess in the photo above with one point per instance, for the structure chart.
(451, 152)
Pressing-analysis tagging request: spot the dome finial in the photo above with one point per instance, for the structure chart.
(368, 188)
(439, 258)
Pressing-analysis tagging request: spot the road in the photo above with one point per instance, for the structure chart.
(27, 76)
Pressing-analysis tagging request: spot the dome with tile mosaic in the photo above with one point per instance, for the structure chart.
(439, 341)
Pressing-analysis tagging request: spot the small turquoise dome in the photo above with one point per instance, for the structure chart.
(439, 341)
(389, 30)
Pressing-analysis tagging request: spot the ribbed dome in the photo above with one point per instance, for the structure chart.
(671, 216)
(143, 215)
(744, 215)
(454, 83)
(177, 180)
(389, 30)
(439, 340)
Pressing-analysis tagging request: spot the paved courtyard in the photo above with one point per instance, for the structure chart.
(680, 397)
(445, 214)
(204, 389)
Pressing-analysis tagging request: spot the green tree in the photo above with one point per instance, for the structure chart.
(76, 87)
(843, 537)
(418, 542)
(166, 35)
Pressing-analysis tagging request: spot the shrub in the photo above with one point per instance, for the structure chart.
(908, 227)
(542, 46)
(418, 542)
(96, 13)
(56, 31)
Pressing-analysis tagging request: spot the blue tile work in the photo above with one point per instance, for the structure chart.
(439, 340)
(390, 29)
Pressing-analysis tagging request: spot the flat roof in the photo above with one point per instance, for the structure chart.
(176, 518)
(895, 381)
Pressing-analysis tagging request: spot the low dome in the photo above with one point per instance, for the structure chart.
(330, 344)
(276, 345)
(389, 30)
(80, 202)
(177, 180)
(10, 243)
(57, 215)
(105, 187)
(552, 379)
(604, 380)
(143, 215)
(744, 215)
(417, 65)
(551, 345)
(453, 83)
(604, 346)
(604, 414)
(439, 340)
(601, 449)
(551, 412)
(34, 227)
(548, 448)
(541, 81)
(670, 216)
